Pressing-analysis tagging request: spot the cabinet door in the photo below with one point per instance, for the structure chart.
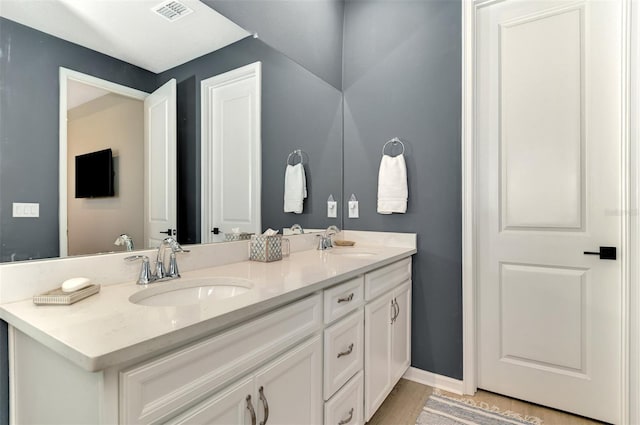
(377, 357)
(231, 406)
(401, 332)
(290, 388)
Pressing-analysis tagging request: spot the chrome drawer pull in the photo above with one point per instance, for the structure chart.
(346, 299)
(346, 353)
(393, 312)
(251, 411)
(266, 406)
(347, 420)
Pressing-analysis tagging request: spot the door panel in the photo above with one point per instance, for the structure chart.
(540, 84)
(226, 407)
(377, 352)
(292, 387)
(160, 151)
(548, 147)
(401, 333)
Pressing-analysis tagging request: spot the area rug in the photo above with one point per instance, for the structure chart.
(441, 409)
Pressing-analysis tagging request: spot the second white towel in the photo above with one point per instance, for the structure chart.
(392, 185)
(295, 188)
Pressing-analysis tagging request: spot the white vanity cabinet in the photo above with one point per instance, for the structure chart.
(280, 351)
(330, 358)
(286, 391)
(387, 332)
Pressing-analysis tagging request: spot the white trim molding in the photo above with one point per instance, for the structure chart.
(65, 76)
(630, 248)
(633, 267)
(434, 380)
(469, 361)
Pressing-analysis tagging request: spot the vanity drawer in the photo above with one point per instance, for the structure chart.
(343, 299)
(343, 351)
(150, 391)
(346, 407)
(386, 278)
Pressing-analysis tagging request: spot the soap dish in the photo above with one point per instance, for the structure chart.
(57, 297)
(341, 242)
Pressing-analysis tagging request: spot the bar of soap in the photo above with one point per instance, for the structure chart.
(75, 284)
(341, 242)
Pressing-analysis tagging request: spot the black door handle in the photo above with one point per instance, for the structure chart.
(605, 253)
(169, 232)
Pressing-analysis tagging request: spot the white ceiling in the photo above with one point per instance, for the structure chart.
(128, 29)
(79, 93)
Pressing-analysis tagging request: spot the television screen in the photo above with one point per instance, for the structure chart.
(94, 174)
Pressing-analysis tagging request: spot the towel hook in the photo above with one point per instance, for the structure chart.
(394, 141)
(296, 152)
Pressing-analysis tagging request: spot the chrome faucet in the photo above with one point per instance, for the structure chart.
(146, 276)
(324, 240)
(125, 240)
(297, 227)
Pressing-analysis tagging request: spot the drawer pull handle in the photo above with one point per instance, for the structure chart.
(347, 352)
(393, 312)
(395, 301)
(346, 299)
(252, 412)
(347, 420)
(263, 398)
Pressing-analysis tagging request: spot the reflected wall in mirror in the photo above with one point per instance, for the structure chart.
(299, 111)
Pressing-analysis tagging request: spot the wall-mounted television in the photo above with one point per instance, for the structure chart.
(94, 174)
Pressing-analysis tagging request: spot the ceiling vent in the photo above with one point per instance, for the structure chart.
(172, 10)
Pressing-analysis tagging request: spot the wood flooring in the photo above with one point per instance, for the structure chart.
(405, 402)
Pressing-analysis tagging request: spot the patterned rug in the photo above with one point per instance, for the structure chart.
(441, 409)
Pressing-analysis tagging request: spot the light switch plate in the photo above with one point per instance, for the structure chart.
(353, 209)
(29, 210)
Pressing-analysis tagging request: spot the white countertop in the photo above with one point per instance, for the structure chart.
(106, 329)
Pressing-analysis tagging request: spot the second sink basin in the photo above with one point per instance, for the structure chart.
(185, 292)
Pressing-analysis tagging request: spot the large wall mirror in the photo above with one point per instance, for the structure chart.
(298, 111)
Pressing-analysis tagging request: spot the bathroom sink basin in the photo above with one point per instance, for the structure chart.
(351, 253)
(185, 292)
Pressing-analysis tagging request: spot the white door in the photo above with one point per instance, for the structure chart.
(160, 167)
(548, 146)
(231, 151)
(290, 389)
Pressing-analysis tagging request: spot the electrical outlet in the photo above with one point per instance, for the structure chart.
(353, 209)
(332, 209)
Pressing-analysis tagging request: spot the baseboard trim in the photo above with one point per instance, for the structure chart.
(434, 380)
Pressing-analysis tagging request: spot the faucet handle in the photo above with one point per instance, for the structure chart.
(173, 266)
(145, 276)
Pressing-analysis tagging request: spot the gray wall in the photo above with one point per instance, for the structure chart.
(29, 129)
(308, 31)
(299, 110)
(402, 78)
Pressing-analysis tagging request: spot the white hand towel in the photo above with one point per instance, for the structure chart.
(392, 185)
(295, 188)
